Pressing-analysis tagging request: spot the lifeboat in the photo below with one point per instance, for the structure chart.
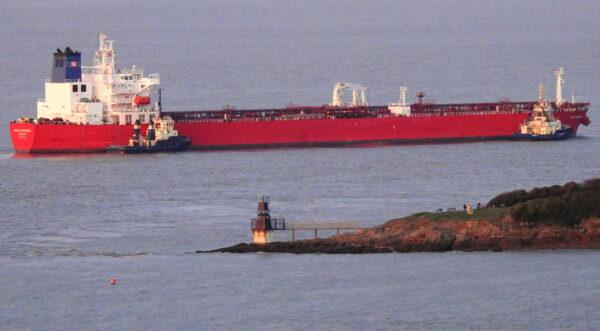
(141, 100)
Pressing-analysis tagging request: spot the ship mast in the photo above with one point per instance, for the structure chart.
(541, 93)
(105, 55)
(559, 84)
(402, 99)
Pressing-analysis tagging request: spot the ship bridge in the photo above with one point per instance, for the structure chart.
(97, 94)
(125, 93)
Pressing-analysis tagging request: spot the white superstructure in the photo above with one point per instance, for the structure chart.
(71, 102)
(400, 108)
(541, 121)
(101, 93)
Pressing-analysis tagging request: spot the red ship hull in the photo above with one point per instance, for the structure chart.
(273, 132)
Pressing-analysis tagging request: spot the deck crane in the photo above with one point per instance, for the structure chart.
(359, 95)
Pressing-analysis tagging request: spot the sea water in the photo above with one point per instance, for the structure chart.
(70, 223)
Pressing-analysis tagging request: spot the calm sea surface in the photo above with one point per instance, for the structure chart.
(70, 223)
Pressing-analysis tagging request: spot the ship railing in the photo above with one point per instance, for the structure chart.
(88, 100)
(259, 116)
(51, 122)
(130, 72)
(65, 81)
(461, 113)
(270, 119)
(257, 119)
(91, 70)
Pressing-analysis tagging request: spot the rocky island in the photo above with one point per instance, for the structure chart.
(555, 217)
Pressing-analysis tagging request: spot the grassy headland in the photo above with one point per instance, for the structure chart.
(554, 217)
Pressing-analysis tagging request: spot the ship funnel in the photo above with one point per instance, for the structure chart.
(136, 139)
(136, 130)
(66, 66)
(151, 132)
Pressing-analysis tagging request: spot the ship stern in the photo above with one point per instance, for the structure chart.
(22, 136)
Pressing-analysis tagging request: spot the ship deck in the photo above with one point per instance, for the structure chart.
(294, 112)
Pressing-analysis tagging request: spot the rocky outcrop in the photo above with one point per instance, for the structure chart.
(554, 217)
(426, 234)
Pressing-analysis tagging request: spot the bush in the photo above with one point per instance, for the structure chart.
(565, 205)
(512, 198)
(584, 204)
(568, 210)
(540, 211)
(546, 192)
(508, 199)
(570, 187)
(592, 185)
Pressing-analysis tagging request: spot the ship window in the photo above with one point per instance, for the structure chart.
(83, 88)
(127, 119)
(74, 87)
(142, 118)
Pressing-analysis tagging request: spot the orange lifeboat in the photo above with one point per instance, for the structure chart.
(141, 100)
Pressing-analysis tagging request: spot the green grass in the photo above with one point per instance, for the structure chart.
(478, 214)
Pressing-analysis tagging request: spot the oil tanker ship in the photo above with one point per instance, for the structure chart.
(87, 109)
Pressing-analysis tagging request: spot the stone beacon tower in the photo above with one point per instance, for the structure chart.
(263, 225)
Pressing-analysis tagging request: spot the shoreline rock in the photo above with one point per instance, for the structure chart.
(422, 234)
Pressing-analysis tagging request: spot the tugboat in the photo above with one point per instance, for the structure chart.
(160, 138)
(541, 124)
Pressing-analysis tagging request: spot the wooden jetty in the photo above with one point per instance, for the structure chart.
(316, 226)
(263, 225)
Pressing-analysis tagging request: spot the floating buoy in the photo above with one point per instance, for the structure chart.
(113, 281)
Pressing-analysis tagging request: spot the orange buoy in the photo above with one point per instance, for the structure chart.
(113, 281)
